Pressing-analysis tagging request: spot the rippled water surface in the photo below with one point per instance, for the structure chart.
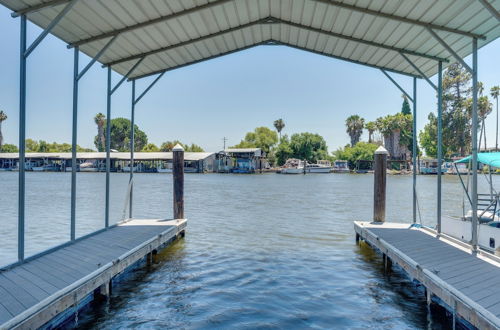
(261, 251)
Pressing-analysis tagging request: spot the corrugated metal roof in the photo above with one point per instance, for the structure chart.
(175, 33)
(189, 156)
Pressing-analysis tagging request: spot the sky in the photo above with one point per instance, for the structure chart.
(205, 102)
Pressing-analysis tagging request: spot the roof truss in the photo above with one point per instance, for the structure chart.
(271, 42)
(273, 20)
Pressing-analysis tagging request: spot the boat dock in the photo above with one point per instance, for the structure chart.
(468, 284)
(65, 278)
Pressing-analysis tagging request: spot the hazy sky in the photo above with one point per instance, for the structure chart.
(224, 97)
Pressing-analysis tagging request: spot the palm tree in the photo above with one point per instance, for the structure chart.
(100, 120)
(495, 91)
(3, 117)
(371, 126)
(279, 125)
(354, 126)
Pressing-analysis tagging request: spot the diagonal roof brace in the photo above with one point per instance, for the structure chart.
(273, 20)
(147, 23)
(491, 9)
(450, 50)
(419, 71)
(397, 85)
(399, 18)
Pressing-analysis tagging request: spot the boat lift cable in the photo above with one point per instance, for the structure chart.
(418, 207)
(127, 200)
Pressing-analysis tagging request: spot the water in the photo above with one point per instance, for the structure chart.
(261, 251)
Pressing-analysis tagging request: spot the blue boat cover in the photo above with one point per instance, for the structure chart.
(487, 158)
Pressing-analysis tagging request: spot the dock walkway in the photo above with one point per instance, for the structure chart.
(468, 284)
(34, 292)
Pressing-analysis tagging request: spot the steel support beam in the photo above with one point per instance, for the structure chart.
(49, 28)
(74, 137)
(273, 20)
(474, 146)
(96, 57)
(419, 71)
(491, 9)
(397, 85)
(414, 150)
(439, 142)
(451, 51)
(110, 92)
(22, 142)
(399, 18)
(150, 22)
(108, 148)
(77, 75)
(132, 146)
(32, 9)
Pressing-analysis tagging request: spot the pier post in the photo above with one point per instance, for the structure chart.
(379, 183)
(178, 178)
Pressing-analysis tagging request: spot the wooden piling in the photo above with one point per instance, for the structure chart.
(379, 184)
(178, 178)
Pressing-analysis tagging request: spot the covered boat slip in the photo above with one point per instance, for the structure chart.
(468, 284)
(42, 287)
(141, 38)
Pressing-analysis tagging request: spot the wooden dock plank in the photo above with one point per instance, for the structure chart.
(53, 279)
(458, 277)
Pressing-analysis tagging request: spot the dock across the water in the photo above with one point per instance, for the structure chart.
(41, 288)
(468, 284)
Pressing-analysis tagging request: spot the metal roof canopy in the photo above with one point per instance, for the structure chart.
(169, 34)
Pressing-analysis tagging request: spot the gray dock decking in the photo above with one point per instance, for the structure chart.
(469, 284)
(36, 291)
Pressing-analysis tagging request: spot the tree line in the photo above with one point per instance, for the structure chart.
(305, 146)
(120, 139)
(396, 130)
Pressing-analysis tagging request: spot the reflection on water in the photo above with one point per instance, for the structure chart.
(271, 251)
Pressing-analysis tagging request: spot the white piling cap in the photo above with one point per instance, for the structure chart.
(178, 147)
(381, 150)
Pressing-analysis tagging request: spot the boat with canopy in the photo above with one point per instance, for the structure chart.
(488, 212)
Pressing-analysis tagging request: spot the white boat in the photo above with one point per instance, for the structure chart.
(341, 166)
(292, 170)
(488, 213)
(88, 167)
(293, 166)
(318, 168)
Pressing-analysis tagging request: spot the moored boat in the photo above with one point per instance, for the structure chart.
(318, 168)
(293, 166)
(488, 209)
(341, 166)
